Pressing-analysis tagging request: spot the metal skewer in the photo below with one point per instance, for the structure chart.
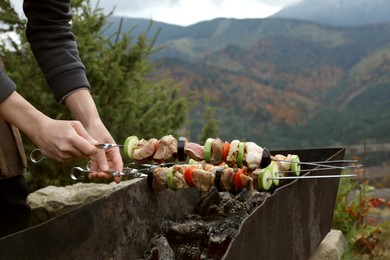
(324, 163)
(78, 173)
(36, 156)
(312, 177)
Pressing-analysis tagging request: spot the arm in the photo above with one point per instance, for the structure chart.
(49, 33)
(60, 140)
(52, 42)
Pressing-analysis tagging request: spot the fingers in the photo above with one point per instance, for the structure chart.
(104, 160)
(85, 144)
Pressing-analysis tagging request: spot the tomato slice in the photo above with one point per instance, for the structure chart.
(237, 179)
(188, 176)
(226, 147)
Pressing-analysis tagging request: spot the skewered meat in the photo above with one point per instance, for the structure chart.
(203, 180)
(227, 178)
(235, 154)
(167, 149)
(144, 150)
(159, 182)
(252, 155)
(284, 162)
(231, 159)
(216, 151)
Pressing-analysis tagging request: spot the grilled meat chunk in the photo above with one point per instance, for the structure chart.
(252, 155)
(144, 150)
(167, 149)
(216, 151)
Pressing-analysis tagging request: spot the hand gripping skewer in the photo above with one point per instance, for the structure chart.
(36, 155)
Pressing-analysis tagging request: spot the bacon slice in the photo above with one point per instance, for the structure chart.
(194, 151)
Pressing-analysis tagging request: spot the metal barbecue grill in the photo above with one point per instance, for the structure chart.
(289, 224)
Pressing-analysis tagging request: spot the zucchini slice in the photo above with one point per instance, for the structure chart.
(207, 149)
(263, 181)
(275, 172)
(170, 179)
(240, 155)
(128, 147)
(295, 166)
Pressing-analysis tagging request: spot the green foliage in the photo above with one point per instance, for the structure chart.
(351, 216)
(129, 102)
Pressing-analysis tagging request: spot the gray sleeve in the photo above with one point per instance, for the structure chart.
(49, 33)
(7, 86)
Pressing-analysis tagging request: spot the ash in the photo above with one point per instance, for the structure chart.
(207, 233)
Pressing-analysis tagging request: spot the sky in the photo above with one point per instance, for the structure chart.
(187, 12)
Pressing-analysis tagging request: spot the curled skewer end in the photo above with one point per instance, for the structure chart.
(36, 156)
(77, 173)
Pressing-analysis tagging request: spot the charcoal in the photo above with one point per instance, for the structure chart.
(205, 234)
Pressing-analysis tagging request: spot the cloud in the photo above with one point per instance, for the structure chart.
(186, 12)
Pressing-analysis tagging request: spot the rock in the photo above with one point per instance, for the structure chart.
(52, 201)
(331, 247)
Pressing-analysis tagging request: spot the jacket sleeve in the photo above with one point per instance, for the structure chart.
(49, 33)
(7, 86)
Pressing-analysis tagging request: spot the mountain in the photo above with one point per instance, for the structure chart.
(283, 83)
(339, 12)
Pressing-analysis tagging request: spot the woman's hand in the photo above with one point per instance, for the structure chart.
(105, 159)
(82, 106)
(64, 140)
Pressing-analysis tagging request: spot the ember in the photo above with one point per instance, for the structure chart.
(206, 233)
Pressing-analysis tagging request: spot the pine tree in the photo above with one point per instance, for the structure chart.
(118, 69)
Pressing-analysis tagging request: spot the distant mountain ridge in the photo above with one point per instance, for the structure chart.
(281, 82)
(339, 12)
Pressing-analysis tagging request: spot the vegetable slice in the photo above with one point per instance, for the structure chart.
(266, 158)
(237, 179)
(295, 166)
(275, 172)
(170, 179)
(240, 155)
(226, 147)
(192, 161)
(264, 183)
(150, 175)
(188, 176)
(128, 147)
(207, 149)
(217, 180)
(181, 156)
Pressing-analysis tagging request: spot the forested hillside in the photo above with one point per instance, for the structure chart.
(282, 83)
